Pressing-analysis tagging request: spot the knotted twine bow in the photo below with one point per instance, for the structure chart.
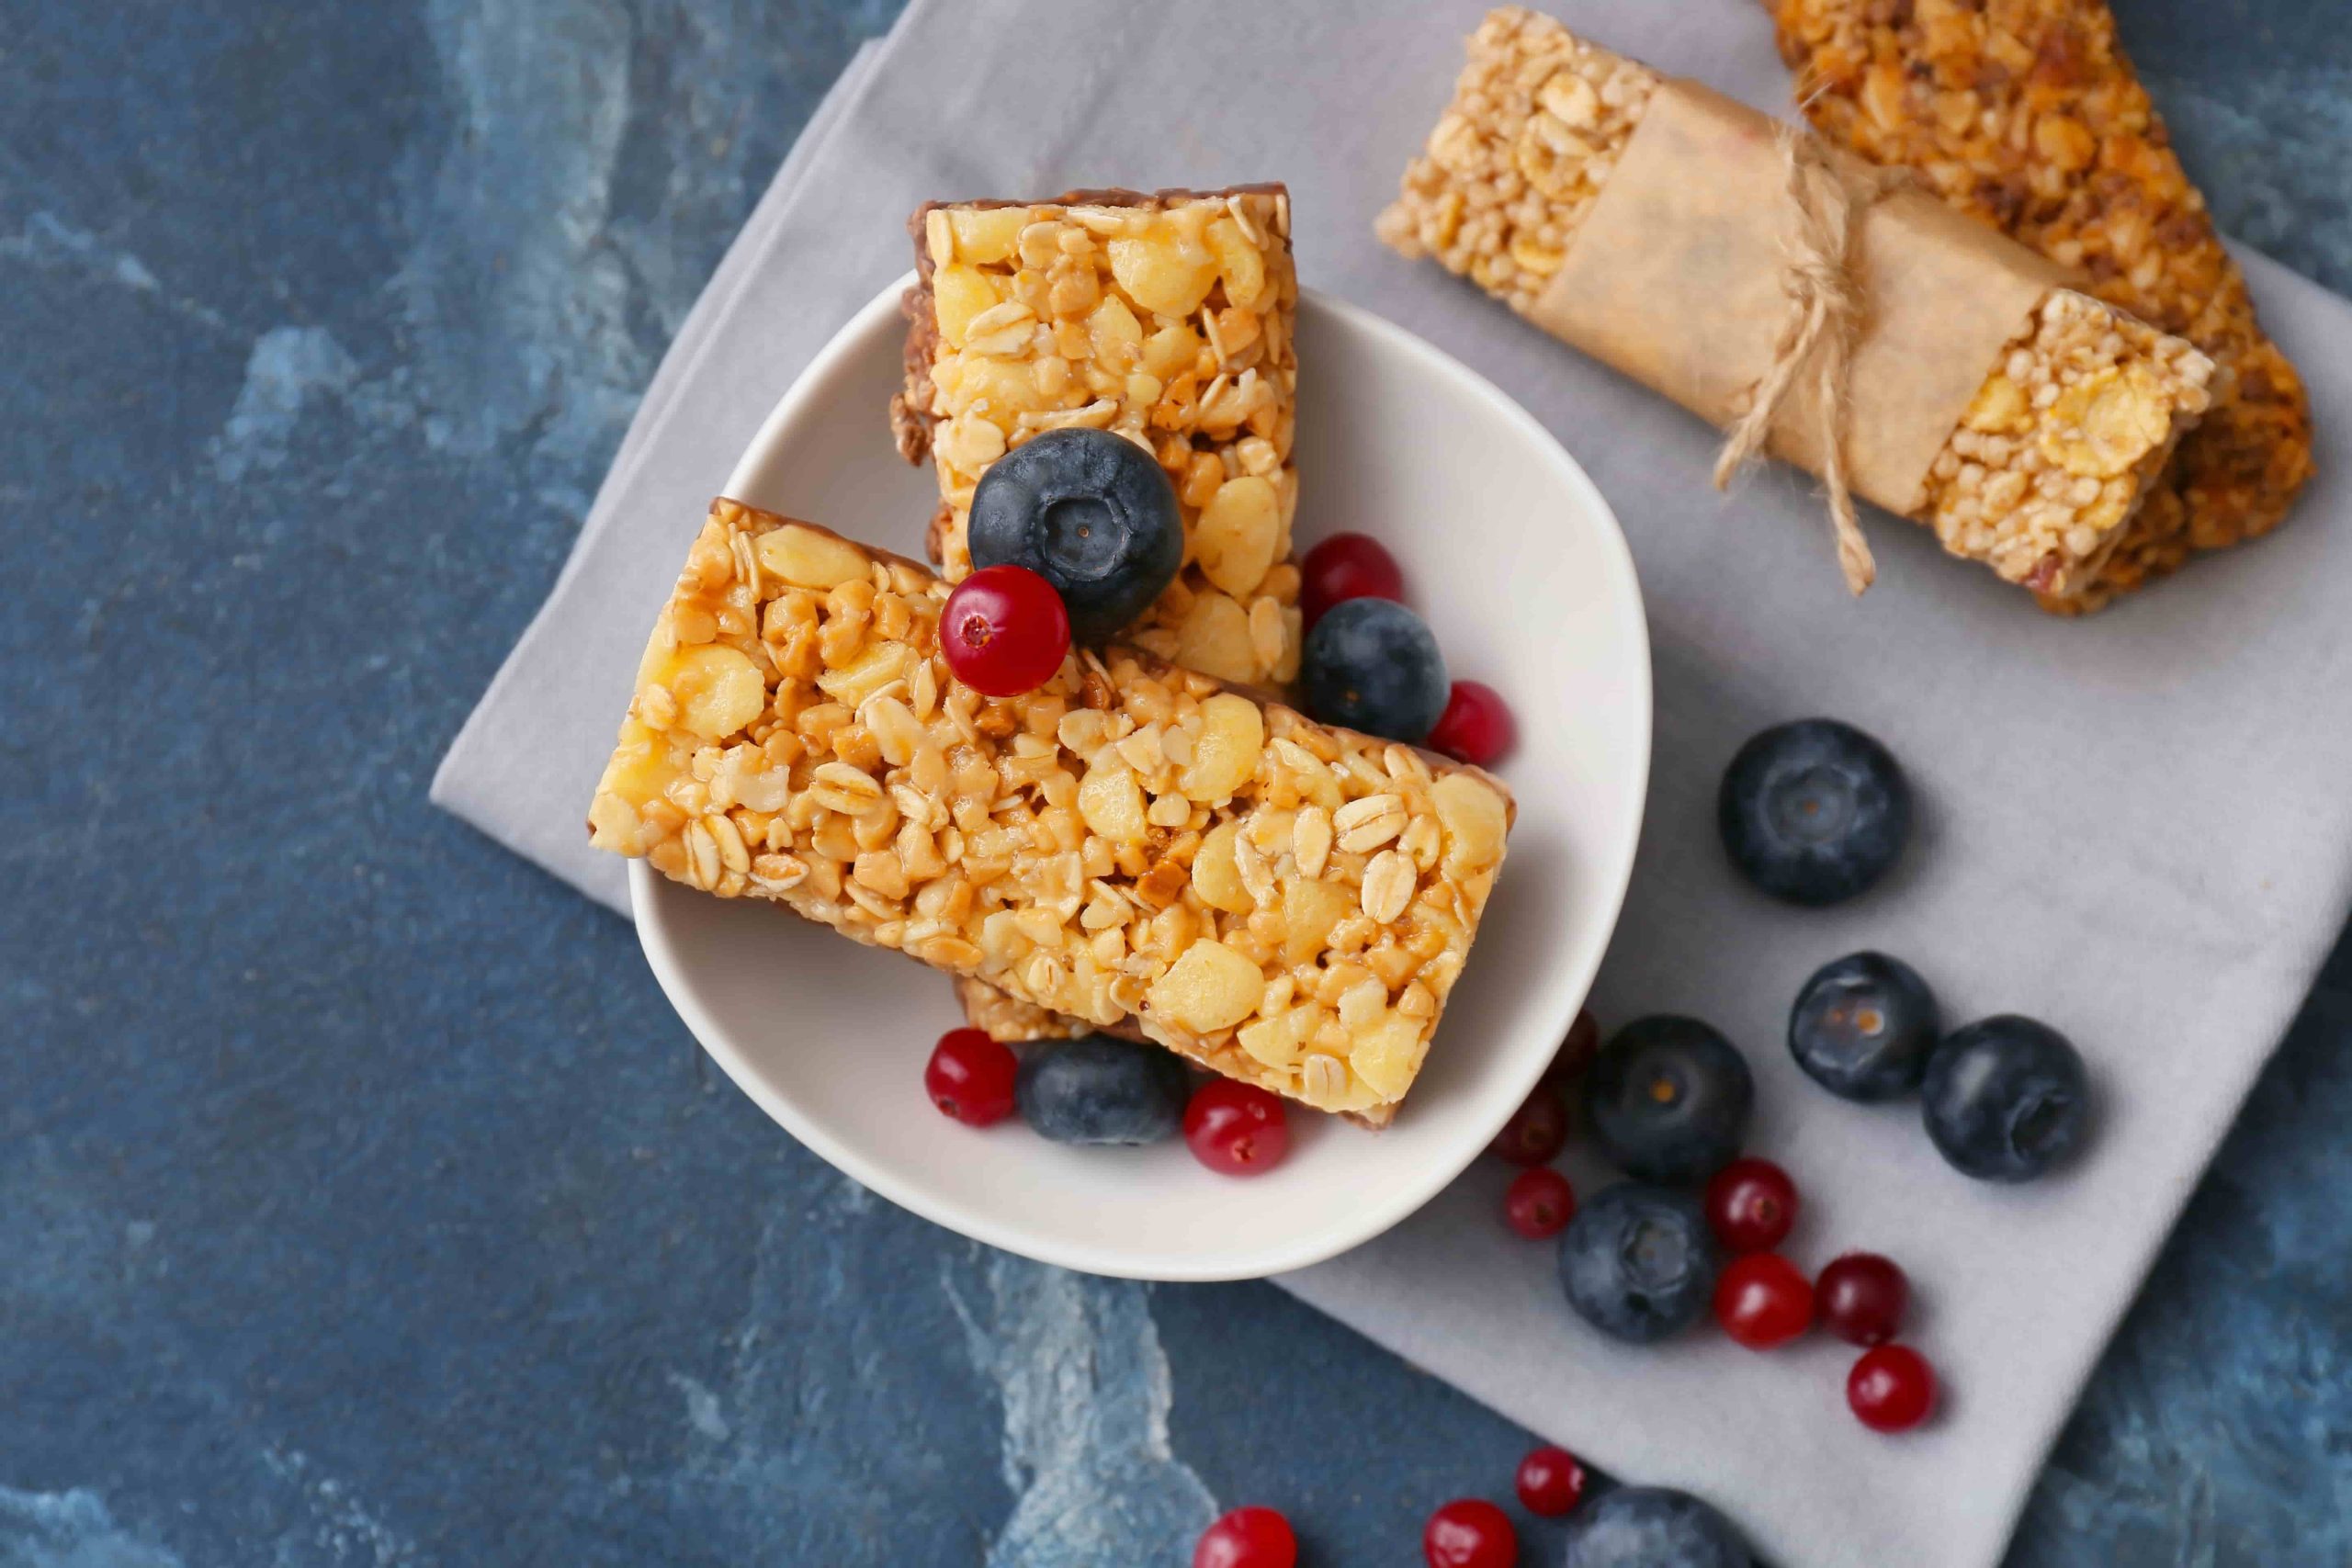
(1826, 302)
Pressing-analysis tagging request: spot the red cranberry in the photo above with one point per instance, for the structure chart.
(1540, 1203)
(1892, 1388)
(1248, 1537)
(1475, 727)
(1347, 566)
(1763, 1301)
(970, 1076)
(1862, 1297)
(1236, 1128)
(1551, 1481)
(1577, 1048)
(1537, 1131)
(1470, 1532)
(1752, 1205)
(1005, 631)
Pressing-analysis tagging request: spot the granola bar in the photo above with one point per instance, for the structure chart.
(1129, 845)
(2027, 114)
(1167, 318)
(2038, 480)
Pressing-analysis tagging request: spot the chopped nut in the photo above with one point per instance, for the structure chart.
(717, 690)
(1274, 1040)
(1164, 268)
(1112, 803)
(807, 558)
(1235, 536)
(1214, 638)
(1311, 912)
(1225, 748)
(1217, 874)
(1159, 887)
(1474, 822)
(1388, 1052)
(985, 234)
(1210, 988)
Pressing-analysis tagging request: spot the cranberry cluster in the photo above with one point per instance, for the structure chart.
(1761, 1299)
(1468, 1532)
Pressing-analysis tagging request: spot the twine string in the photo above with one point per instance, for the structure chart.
(1825, 300)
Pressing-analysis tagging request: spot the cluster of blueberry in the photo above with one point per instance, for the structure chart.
(1816, 812)
(1812, 813)
(1077, 532)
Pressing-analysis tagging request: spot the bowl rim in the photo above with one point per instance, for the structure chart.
(648, 892)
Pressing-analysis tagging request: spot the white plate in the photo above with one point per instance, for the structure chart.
(1515, 559)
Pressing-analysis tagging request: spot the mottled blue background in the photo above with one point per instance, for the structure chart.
(360, 1199)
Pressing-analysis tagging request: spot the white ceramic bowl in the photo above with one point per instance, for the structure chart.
(1515, 559)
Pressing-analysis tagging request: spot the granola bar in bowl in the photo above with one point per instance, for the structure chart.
(890, 807)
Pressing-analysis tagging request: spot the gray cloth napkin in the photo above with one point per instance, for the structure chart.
(2135, 827)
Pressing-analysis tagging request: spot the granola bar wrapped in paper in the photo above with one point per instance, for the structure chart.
(1680, 238)
(2026, 114)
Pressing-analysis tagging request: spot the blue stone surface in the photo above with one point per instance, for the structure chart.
(361, 1202)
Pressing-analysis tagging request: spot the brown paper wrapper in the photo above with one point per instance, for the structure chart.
(1676, 278)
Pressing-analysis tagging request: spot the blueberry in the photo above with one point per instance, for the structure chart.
(1864, 1026)
(1095, 1089)
(2005, 1099)
(1639, 1263)
(1652, 1526)
(1668, 1100)
(1814, 812)
(1371, 664)
(1092, 513)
